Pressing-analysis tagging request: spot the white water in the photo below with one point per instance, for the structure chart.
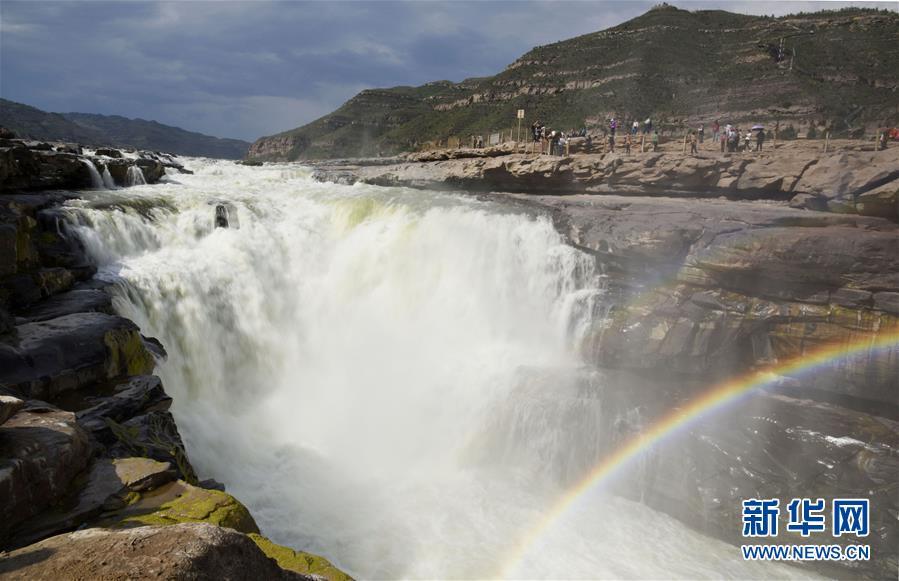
(135, 176)
(108, 182)
(352, 361)
(96, 179)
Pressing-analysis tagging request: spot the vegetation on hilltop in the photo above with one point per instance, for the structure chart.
(678, 67)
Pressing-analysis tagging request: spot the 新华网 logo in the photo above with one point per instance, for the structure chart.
(806, 516)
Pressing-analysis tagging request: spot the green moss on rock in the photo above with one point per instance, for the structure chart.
(299, 561)
(180, 502)
(127, 354)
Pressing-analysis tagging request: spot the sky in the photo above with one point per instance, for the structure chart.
(254, 68)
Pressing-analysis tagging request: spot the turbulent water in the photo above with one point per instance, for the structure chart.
(386, 377)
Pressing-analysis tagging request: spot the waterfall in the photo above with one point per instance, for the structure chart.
(108, 182)
(135, 176)
(385, 376)
(96, 180)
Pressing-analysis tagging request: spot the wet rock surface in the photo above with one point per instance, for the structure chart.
(77, 300)
(71, 352)
(184, 551)
(41, 450)
(9, 405)
(776, 446)
(32, 166)
(698, 287)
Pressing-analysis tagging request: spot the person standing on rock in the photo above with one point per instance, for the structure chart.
(627, 144)
(647, 125)
(716, 128)
(655, 140)
(693, 149)
(635, 127)
(733, 140)
(759, 139)
(612, 142)
(701, 133)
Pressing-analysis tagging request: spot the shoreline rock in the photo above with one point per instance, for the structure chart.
(35, 166)
(182, 551)
(853, 182)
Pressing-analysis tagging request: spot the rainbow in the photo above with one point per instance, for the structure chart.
(679, 418)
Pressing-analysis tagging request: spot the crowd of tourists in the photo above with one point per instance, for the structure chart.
(555, 142)
(731, 138)
(644, 135)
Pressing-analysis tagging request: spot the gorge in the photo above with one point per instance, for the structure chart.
(406, 381)
(373, 347)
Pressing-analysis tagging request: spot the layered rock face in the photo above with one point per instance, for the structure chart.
(859, 182)
(87, 442)
(700, 291)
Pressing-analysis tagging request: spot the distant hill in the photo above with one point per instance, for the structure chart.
(114, 130)
(28, 121)
(836, 69)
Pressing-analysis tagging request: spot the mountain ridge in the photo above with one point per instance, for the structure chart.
(115, 130)
(675, 66)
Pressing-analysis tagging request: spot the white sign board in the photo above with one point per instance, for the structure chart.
(521, 113)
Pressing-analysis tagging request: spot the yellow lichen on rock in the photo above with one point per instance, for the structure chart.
(127, 354)
(180, 502)
(299, 561)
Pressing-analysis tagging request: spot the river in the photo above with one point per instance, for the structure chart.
(387, 377)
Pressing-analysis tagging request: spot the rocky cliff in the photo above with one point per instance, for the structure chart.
(832, 71)
(703, 290)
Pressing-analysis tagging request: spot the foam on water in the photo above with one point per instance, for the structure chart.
(135, 176)
(96, 178)
(336, 360)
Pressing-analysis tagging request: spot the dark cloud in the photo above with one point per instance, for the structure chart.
(245, 69)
